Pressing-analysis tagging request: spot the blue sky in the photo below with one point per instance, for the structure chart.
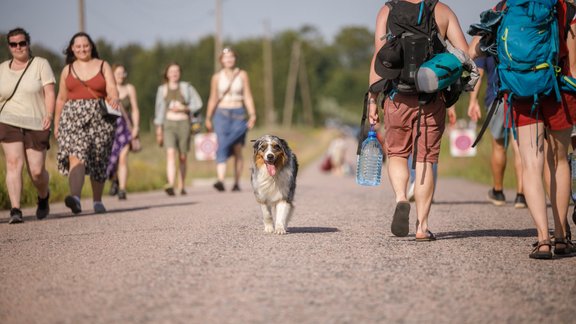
(52, 22)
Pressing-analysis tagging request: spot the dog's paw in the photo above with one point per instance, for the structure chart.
(268, 228)
(280, 230)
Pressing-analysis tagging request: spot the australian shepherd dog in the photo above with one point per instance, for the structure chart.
(274, 170)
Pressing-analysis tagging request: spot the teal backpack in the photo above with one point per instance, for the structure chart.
(527, 46)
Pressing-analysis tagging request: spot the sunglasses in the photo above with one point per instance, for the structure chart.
(21, 44)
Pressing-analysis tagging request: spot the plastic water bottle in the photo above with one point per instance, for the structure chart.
(369, 166)
(573, 167)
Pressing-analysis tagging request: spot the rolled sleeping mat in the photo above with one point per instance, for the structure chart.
(438, 73)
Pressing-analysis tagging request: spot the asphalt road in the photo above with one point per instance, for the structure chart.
(204, 258)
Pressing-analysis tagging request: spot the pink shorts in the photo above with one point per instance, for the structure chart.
(555, 115)
(401, 124)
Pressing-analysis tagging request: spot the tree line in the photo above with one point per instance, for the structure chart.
(337, 72)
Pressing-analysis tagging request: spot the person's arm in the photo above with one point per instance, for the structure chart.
(212, 101)
(473, 105)
(60, 99)
(135, 113)
(49, 103)
(248, 99)
(379, 41)
(112, 96)
(159, 112)
(474, 48)
(194, 100)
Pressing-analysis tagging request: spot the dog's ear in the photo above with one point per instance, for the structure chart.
(284, 144)
(256, 144)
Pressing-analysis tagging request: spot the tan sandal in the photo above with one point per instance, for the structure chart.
(542, 255)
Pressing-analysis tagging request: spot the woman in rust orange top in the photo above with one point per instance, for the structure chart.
(84, 136)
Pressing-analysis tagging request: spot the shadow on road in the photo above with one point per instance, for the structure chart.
(110, 211)
(487, 233)
(308, 230)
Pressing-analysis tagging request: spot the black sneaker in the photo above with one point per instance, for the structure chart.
(219, 186)
(73, 203)
(122, 194)
(43, 208)
(15, 216)
(113, 188)
(497, 197)
(520, 201)
(236, 188)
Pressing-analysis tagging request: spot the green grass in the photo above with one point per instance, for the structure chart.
(147, 168)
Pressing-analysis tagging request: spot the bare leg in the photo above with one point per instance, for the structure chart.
(532, 153)
(238, 163)
(559, 178)
(423, 192)
(76, 176)
(498, 163)
(398, 175)
(37, 171)
(171, 166)
(122, 172)
(14, 153)
(517, 166)
(221, 171)
(183, 160)
(97, 188)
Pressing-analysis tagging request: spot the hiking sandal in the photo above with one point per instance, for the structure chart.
(568, 250)
(542, 255)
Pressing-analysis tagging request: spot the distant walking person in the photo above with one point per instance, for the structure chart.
(230, 100)
(126, 129)
(26, 110)
(175, 102)
(84, 136)
(498, 130)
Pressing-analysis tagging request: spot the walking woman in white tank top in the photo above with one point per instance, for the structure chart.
(230, 100)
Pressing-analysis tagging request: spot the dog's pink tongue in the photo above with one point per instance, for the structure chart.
(271, 169)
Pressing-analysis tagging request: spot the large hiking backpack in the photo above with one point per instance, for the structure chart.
(412, 38)
(524, 36)
(528, 48)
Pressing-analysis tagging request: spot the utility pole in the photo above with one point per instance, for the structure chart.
(291, 85)
(269, 109)
(82, 24)
(218, 35)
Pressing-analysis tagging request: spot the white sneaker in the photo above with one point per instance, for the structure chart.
(99, 207)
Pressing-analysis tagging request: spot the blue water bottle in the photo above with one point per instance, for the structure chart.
(369, 166)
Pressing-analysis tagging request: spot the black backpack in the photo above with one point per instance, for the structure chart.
(412, 38)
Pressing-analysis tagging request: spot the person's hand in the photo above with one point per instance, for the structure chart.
(208, 124)
(451, 116)
(373, 117)
(251, 121)
(159, 136)
(114, 103)
(474, 110)
(134, 132)
(46, 122)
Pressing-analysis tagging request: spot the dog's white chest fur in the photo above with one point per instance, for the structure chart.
(268, 189)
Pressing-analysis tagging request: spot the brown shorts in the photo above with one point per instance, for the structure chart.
(38, 140)
(401, 124)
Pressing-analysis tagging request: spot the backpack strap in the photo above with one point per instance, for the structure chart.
(570, 12)
(495, 104)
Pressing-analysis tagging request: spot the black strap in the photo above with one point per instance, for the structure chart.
(363, 130)
(418, 133)
(17, 83)
(495, 104)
